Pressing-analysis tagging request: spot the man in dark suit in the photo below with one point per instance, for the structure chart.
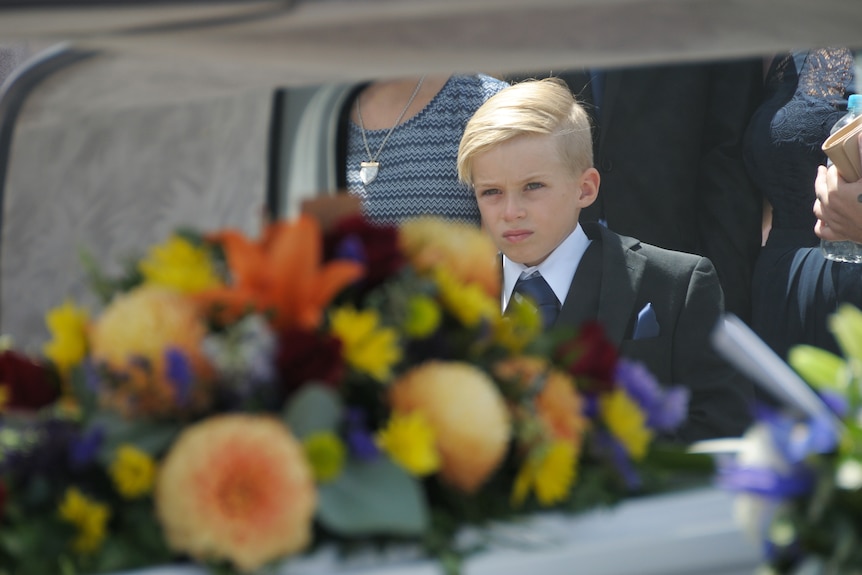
(527, 153)
(667, 141)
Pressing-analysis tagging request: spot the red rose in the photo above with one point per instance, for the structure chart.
(305, 356)
(590, 357)
(26, 383)
(376, 246)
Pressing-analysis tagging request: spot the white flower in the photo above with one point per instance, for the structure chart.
(849, 475)
(753, 513)
(244, 354)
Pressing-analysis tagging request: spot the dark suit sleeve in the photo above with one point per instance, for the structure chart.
(721, 400)
(730, 208)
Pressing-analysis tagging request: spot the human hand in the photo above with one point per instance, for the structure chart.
(838, 206)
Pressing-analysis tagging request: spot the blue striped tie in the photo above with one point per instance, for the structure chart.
(540, 293)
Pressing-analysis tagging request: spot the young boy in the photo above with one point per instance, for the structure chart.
(527, 154)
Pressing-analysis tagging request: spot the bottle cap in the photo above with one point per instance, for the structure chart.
(854, 101)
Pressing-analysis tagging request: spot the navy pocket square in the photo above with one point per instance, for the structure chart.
(647, 324)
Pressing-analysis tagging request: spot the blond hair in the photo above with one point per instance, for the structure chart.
(530, 107)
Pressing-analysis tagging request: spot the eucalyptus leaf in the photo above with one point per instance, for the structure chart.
(820, 368)
(152, 437)
(313, 409)
(373, 498)
(83, 393)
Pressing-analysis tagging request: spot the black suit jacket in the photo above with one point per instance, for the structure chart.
(616, 278)
(668, 145)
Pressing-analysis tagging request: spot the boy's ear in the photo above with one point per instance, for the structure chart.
(589, 187)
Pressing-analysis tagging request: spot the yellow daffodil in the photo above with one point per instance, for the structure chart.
(464, 250)
(626, 422)
(133, 472)
(519, 327)
(88, 516)
(467, 302)
(326, 454)
(68, 346)
(410, 441)
(549, 472)
(368, 347)
(179, 264)
(423, 317)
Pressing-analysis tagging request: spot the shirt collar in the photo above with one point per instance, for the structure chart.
(558, 268)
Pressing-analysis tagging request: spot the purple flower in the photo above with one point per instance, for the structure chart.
(591, 406)
(359, 440)
(796, 440)
(179, 372)
(801, 440)
(84, 448)
(351, 248)
(665, 409)
(672, 411)
(638, 382)
(92, 379)
(834, 401)
(619, 459)
(765, 482)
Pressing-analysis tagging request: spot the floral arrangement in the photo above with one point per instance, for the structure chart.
(798, 476)
(238, 401)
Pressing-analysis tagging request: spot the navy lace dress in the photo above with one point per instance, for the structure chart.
(795, 288)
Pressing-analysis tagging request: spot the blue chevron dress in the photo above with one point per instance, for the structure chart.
(418, 174)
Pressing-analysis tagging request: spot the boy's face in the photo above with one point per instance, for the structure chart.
(529, 200)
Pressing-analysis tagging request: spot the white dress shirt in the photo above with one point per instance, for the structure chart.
(558, 268)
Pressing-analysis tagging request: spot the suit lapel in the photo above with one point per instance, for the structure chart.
(621, 278)
(619, 270)
(582, 299)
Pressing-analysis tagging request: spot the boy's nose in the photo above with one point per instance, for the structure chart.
(513, 208)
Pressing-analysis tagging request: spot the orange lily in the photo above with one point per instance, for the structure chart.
(280, 274)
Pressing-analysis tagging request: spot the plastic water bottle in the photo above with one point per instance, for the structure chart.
(844, 251)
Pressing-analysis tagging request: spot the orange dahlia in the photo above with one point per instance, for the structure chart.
(559, 406)
(133, 339)
(464, 250)
(468, 416)
(236, 487)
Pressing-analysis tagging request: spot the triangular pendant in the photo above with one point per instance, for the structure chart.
(368, 171)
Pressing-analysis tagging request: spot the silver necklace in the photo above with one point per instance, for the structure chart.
(368, 170)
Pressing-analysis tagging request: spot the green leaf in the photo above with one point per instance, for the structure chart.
(314, 408)
(152, 437)
(107, 287)
(820, 368)
(85, 396)
(98, 281)
(373, 498)
(846, 325)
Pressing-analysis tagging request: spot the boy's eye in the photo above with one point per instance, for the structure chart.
(489, 192)
(534, 186)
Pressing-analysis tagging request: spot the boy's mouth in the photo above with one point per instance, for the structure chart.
(517, 235)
